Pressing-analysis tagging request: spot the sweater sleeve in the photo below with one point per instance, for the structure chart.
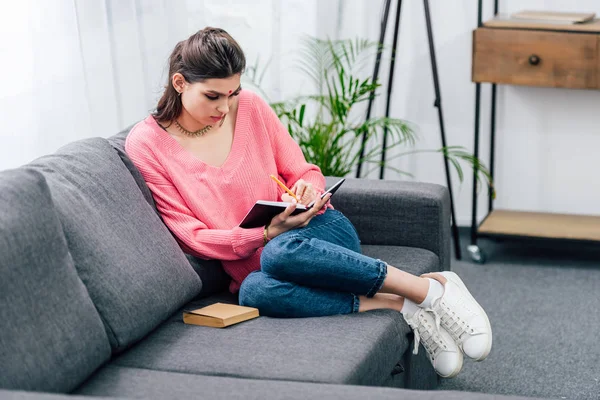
(197, 238)
(291, 164)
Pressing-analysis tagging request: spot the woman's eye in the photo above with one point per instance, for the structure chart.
(212, 97)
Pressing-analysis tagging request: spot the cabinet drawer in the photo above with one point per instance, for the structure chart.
(536, 58)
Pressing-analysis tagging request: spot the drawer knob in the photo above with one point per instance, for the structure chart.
(534, 60)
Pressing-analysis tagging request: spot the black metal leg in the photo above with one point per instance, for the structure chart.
(389, 87)
(493, 134)
(475, 169)
(492, 148)
(476, 144)
(438, 104)
(382, 30)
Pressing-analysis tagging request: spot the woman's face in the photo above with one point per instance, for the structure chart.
(209, 101)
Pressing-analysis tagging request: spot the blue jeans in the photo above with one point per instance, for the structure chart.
(313, 271)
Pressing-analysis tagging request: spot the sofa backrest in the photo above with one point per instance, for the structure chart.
(51, 335)
(134, 270)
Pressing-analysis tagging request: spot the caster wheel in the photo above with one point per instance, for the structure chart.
(476, 254)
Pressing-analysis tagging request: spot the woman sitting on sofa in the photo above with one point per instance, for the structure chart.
(207, 152)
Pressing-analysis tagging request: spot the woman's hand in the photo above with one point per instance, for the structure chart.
(285, 221)
(304, 191)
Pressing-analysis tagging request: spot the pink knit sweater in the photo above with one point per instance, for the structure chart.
(202, 204)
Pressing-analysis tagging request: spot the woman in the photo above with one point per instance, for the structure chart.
(207, 153)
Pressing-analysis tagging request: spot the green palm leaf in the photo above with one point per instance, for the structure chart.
(325, 124)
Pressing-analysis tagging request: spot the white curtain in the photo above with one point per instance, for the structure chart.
(71, 69)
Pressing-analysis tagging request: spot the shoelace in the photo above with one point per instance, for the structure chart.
(455, 326)
(427, 337)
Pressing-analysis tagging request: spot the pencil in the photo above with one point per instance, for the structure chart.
(284, 187)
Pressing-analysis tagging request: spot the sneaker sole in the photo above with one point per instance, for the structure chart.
(456, 279)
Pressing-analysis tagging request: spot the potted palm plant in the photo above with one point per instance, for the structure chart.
(329, 125)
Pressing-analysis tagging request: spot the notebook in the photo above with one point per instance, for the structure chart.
(555, 17)
(219, 315)
(262, 212)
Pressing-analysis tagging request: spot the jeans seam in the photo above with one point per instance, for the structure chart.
(355, 303)
(379, 281)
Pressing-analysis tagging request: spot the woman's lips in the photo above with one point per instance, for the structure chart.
(216, 119)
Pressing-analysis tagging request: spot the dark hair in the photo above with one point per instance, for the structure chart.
(209, 53)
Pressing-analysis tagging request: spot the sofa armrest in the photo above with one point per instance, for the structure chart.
(398, 213)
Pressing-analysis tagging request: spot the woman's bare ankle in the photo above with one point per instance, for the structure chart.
(381, 301)
(405, 284)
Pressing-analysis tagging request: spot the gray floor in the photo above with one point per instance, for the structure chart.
(543, 300)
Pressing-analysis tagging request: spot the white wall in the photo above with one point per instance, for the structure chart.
(71, 69)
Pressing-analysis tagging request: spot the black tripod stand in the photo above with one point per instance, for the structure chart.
(437, 103)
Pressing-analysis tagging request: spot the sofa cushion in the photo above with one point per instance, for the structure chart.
(142, 383)
(22, 395)
(133, 268)
(51, 336)
(361, 349)
(118, 143)
(351, 349)
(211, 272)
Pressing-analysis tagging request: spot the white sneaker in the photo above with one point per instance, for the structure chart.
(463, 318)
(444, 354)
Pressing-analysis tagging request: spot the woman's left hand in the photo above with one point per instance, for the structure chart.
(304, 191)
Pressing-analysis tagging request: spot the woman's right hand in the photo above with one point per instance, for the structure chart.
(285, 221)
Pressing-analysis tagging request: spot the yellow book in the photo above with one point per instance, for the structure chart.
(219, 315)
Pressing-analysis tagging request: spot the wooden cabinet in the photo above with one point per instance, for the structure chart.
(536, 58)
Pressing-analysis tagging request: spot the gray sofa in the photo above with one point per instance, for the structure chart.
(92, 287)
